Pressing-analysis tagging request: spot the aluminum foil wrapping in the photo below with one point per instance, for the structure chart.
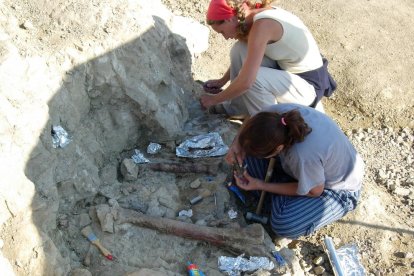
(205, 145)
(186, 213)
(60, 138)
(232, 214)
(139, 158)
(153, 148)
(348, 258)
(234, 266)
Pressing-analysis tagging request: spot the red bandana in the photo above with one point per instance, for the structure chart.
(219, 10)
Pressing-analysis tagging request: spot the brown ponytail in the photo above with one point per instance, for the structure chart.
(263, 133)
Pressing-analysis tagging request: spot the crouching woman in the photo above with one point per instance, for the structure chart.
(318, 176)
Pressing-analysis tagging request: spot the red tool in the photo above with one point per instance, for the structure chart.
(88, 233)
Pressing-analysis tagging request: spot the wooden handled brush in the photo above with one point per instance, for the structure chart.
(203, 194)
(88, 233)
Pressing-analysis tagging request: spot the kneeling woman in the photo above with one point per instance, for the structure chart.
(320, 173)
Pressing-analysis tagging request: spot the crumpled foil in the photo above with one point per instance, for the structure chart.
(345, 260)
(153, 148)
(186, 213)
(60, 138)
(232, 214)
(204, 145)
(349, 260)
(139, 158)
(234, 266)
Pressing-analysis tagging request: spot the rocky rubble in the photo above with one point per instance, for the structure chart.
(389, 155)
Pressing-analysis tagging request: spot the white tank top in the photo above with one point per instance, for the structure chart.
(296, 51)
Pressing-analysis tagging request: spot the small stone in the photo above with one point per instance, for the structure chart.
(113, 203)
(63, 222)
(378, 273)
(129, 170)
(318, 260)
(79, 46)
(18, 263)
(106, 218)
(195, 184)
(402, 191)
(294, 244)
(305, 266)
(27, 25)
(319, 270)
(382, 175)
(391, 186)
(303, 263)
(1, 243)
(337, 241)
(282, 242)
(124, 191)
(406, 255)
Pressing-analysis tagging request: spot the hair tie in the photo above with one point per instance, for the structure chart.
(283, 121)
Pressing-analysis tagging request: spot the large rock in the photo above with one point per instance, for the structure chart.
(112, 82)
(5, 267)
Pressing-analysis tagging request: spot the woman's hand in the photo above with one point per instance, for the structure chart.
(214, 86)
(234, 152)
(207, 101)
(248, 183)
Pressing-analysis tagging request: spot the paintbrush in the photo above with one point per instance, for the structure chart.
(203, 194)
(88, 233)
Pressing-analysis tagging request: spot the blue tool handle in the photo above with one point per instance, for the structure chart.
(279, 259)
(239, 194)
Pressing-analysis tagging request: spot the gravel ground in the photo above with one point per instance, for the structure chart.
(382, 226)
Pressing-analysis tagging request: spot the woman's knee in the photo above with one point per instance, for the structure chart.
(292, 231)
(280, 226)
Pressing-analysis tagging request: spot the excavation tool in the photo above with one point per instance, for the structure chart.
(88, 233)
(267, 179)
(202, 195)
(257, 217)
(193, 270)
(237, 192)
(333, 257)
(239, 169)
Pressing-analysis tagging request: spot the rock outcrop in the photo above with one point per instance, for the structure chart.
(117, 83)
